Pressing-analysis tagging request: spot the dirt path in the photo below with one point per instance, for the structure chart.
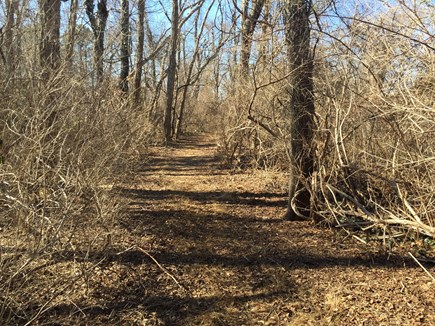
(200, 245)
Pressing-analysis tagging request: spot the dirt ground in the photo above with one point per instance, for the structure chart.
(202, 245)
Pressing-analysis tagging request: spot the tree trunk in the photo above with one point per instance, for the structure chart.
(151, 46)
(72, 24)
(8, 55)
(125, 42)
(139, 52)
(249, 22)
(263, 54)
(98, 23)
(301, 107)
(172, 70)
(49, 51)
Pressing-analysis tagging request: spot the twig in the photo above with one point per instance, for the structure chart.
(332, 189)
(163, 269)
(406, 203)
(261, 124)
(419, 264)
(354, 224)
(359, 239)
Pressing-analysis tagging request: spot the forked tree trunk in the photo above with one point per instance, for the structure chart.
(301, 106)
(249, 22)
(98, 22)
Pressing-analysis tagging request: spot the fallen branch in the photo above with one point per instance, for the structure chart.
(419, 264)
(163, 269)
(332, 189)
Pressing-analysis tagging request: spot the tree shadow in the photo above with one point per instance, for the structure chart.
(171, 310)
(265, 199)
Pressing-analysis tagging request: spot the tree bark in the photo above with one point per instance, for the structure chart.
(249, 22)
(72, 24)
(301, 106)
(8, 55)
(139, 52)
(98, 23)
(125, 42)
(172, 70)
(263, 54)
(49, 50)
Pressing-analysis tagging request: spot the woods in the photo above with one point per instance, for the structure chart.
(337, 96)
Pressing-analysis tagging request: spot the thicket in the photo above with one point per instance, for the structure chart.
(374, 137)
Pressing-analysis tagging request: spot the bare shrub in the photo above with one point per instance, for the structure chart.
(375, 141)
(64, 146)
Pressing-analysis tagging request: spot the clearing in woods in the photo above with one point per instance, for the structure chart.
(201, 245)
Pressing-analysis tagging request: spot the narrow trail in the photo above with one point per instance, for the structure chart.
(200, 245)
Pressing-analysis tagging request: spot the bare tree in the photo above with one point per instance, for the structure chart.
(172, 70)
(249, 22)
(125, 45)
(301, 105)
(139, 52)
(49, 50)
(98, 21)
(72, 26)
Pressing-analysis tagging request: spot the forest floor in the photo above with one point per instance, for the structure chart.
(199, 244)
(209, 248)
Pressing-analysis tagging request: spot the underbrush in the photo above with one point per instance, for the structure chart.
(64, 146)
(374, 150)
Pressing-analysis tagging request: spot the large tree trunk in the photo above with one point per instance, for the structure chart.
(49, 51)
(125, 42)
(301, 106)
(172, 70)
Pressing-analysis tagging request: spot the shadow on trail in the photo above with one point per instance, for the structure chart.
(171, 310)
(238, 198)
(247, 241)
(214, 240)
(176, 166)
(269, 258)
